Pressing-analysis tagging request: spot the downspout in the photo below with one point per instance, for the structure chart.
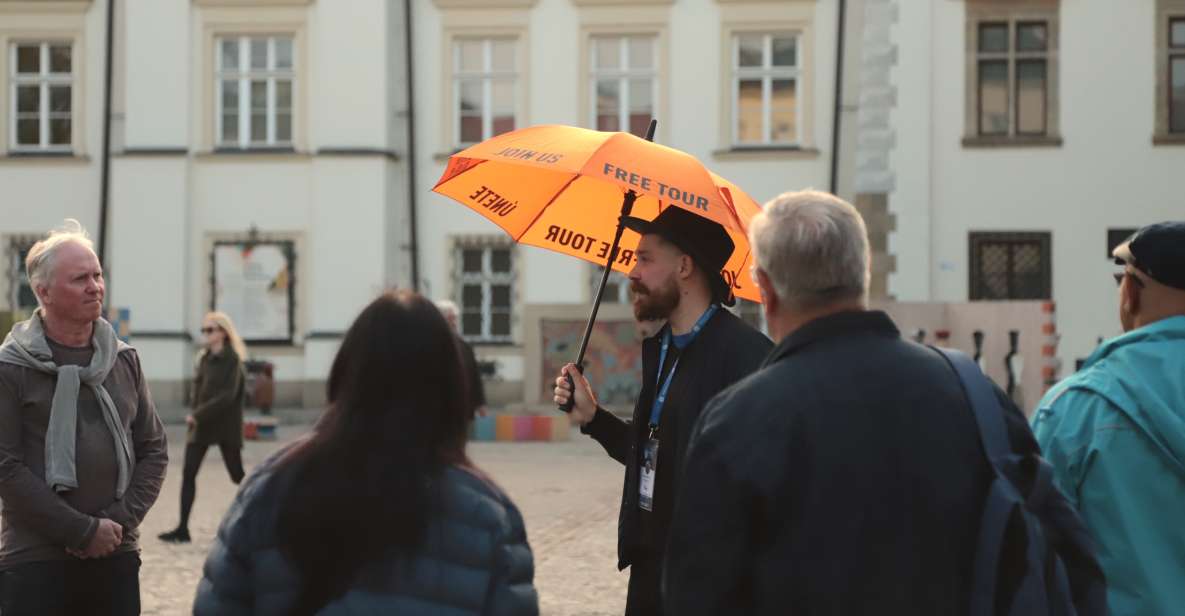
(835, 124)
(411, 147)
(105, 173)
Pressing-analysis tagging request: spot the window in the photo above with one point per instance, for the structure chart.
(1176, 77)
(485, 276)
(485, 88)
(765, 89)
(624, 75)
(617, 288)
(20, 291)
(1012, 71)
(1115, 237)
(42, 93)
(254, 92)
(1010, 266)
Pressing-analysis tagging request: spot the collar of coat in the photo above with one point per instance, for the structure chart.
(842, 323)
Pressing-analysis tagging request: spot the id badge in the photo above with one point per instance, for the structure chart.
(646, 484)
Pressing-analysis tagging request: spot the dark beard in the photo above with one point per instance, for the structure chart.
(656, 304)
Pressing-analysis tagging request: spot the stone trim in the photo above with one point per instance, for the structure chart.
(1020, 141)
(252, 3)
(771, 153)
(52, 6)
(484, 4)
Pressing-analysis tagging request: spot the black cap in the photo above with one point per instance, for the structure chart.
(1158, 251)
(706, 242)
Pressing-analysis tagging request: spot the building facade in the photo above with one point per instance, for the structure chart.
(272, 158)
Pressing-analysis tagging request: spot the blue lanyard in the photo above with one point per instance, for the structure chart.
(661, 397)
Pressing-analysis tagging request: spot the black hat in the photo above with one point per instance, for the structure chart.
(1159, 251)
(706, 242)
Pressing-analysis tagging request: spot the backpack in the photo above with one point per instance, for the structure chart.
(1061, 576)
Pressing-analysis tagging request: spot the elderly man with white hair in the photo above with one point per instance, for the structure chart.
(845, 476)
(82, 450)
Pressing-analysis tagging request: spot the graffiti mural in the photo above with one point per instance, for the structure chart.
(613, 362)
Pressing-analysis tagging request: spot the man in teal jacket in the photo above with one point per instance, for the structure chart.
(1115, 431)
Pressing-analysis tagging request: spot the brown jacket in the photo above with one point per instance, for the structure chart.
(218, 399)
(38, 524)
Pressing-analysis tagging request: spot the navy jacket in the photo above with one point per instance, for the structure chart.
(475, 559)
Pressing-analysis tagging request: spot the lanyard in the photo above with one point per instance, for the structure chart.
(661, 397)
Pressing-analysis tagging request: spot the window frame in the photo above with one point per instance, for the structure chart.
(486, 279)
(623, 73)
(1174, 53)
(767, 73)
(985, 12)
(245, 75)
(44, 80)
(488, 75)
(976, 239)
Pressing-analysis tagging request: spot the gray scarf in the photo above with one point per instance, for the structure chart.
(26, 346)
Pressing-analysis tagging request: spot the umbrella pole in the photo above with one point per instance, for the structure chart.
(627, 206)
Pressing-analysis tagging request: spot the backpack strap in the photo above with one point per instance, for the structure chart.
(993, 434)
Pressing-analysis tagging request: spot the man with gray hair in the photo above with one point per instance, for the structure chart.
(82, 450)
(845, 476)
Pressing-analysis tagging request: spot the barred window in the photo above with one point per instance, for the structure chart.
(1010, 265)
(485, 291)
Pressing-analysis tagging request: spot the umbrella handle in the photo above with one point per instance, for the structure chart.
(567, 406)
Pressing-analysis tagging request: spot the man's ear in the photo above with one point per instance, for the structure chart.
(765, 286)
(1131, 295)
(686, 266)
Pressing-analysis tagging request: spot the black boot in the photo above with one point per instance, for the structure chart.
(179, 535)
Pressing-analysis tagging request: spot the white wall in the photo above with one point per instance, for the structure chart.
(1107, 173)
(156, 79)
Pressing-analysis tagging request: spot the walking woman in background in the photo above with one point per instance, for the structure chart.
(217, 417)
(378, 510)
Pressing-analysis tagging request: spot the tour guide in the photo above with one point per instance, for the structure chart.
(701, 350)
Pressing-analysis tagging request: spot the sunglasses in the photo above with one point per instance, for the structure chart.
(209, 330)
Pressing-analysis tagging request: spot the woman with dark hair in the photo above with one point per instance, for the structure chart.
(378, 510)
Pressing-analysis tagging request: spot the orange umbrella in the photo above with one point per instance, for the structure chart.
(561, 188)
(557, 187)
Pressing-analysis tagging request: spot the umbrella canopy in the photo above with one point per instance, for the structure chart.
(561, 188)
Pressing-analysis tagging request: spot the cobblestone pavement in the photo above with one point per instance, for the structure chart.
(568, 493)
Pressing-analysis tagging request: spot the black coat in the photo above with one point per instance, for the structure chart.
(724, 352)
(218, 393)
(846, 477)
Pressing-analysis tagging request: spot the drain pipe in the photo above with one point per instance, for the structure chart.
(411, 148)
(835, 125)
(105, 173)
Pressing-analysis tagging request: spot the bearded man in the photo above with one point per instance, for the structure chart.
(701, 351)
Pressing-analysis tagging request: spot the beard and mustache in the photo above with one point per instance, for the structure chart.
(655, 304)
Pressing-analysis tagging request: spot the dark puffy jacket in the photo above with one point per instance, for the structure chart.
(475, 559)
